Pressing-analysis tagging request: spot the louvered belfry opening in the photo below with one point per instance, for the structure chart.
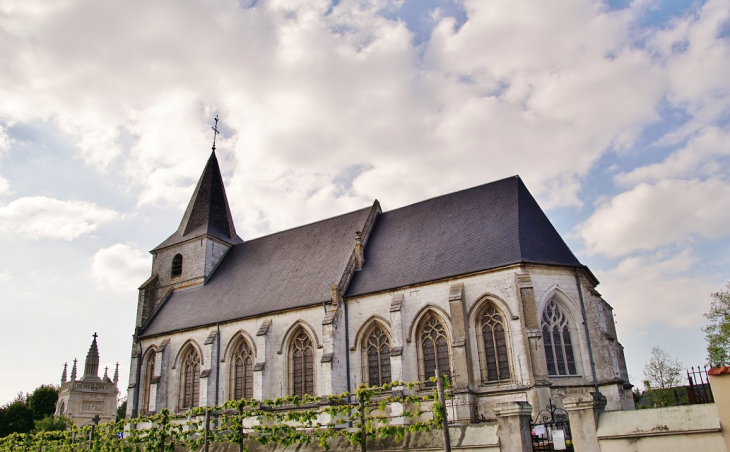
(177, 266)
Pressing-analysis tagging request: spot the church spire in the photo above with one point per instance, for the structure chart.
(63, 375)
(91, 368)
(73, 371)
(208, 212)
(116, 375)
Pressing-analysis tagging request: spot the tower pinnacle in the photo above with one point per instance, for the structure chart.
(91, 367)
(63, 375)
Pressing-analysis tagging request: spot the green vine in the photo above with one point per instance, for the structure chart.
(284, 420)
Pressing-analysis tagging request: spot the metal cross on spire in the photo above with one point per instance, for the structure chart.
(95, 335)
(215, 131)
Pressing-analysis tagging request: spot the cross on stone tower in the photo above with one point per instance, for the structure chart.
(215, 131)
(95, 335)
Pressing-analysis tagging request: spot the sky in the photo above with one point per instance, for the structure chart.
(616, 114)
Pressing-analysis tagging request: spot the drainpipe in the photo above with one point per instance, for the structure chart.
(217, 360)
(347, 344)
(135, 408)
(585, 324)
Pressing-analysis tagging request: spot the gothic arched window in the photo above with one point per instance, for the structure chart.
(190, 379)
(376, 357)
(62, 410)
(177, 263)
(301, 364)
(242, 371)
(557, 341)
(434, 348)
(149, 374)
(494, 349)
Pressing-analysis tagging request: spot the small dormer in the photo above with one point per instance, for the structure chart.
(190, 255)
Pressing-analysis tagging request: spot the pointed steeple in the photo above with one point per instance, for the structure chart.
(116, 374)
(106, 379)
(63, 375)
(73, 371)
(91, 368)
(207, 212)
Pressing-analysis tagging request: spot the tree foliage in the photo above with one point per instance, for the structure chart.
(43, 401)
(122, 410)
(717, 333)
(663, 370)
(16, 417)
(53, 424)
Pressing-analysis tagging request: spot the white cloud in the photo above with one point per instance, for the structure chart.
(669, 290)
(702, 156)
(43, 217)
(5, 276)
(307, 96)
(651, 216)
(4, 186)
(120, 267)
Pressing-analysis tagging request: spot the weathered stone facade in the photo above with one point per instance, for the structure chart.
(518, 295)
(82, 400)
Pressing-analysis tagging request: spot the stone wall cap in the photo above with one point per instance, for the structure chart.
(513, 409)
(719, 370)
(584, 401)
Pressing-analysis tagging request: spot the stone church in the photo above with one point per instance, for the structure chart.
(476, 283)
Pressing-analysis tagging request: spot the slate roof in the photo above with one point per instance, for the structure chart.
(208, 211)
(276, 272)
(481, 228)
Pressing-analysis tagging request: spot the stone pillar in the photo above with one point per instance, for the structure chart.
(396, 336)
(513, 426)
(533, 337)
(262, 353)
(720, 384)
(584, 411)
(461, 404)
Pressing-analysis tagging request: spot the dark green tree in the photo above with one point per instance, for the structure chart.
(122, 410)
(43, 401)
(16, 416)
(717, 333)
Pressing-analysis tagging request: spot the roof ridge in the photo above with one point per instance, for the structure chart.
(453, 193)
(307, 224)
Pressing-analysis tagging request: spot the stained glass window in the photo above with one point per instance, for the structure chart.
(495, 357)
(190, 381)
(242, 371)
(557, 341)
(434, 346)
(376, 353)
(301, 363)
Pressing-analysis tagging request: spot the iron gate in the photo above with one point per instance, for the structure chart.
(551, 430)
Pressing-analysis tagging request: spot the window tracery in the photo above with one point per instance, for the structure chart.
(557, 341)
(433, 341)
(190, 379)
(242, 359)
(494, 346)
(301, 364)
(149, 374)
(376, 357)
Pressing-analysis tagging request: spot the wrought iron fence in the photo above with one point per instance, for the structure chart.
(699, 390)
(551, 430)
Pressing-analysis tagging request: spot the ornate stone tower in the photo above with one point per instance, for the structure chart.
(189, 256)
(85, 399)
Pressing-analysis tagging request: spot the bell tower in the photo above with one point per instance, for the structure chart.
(190, 255)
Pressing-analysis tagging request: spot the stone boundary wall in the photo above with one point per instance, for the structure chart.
(473, 438)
